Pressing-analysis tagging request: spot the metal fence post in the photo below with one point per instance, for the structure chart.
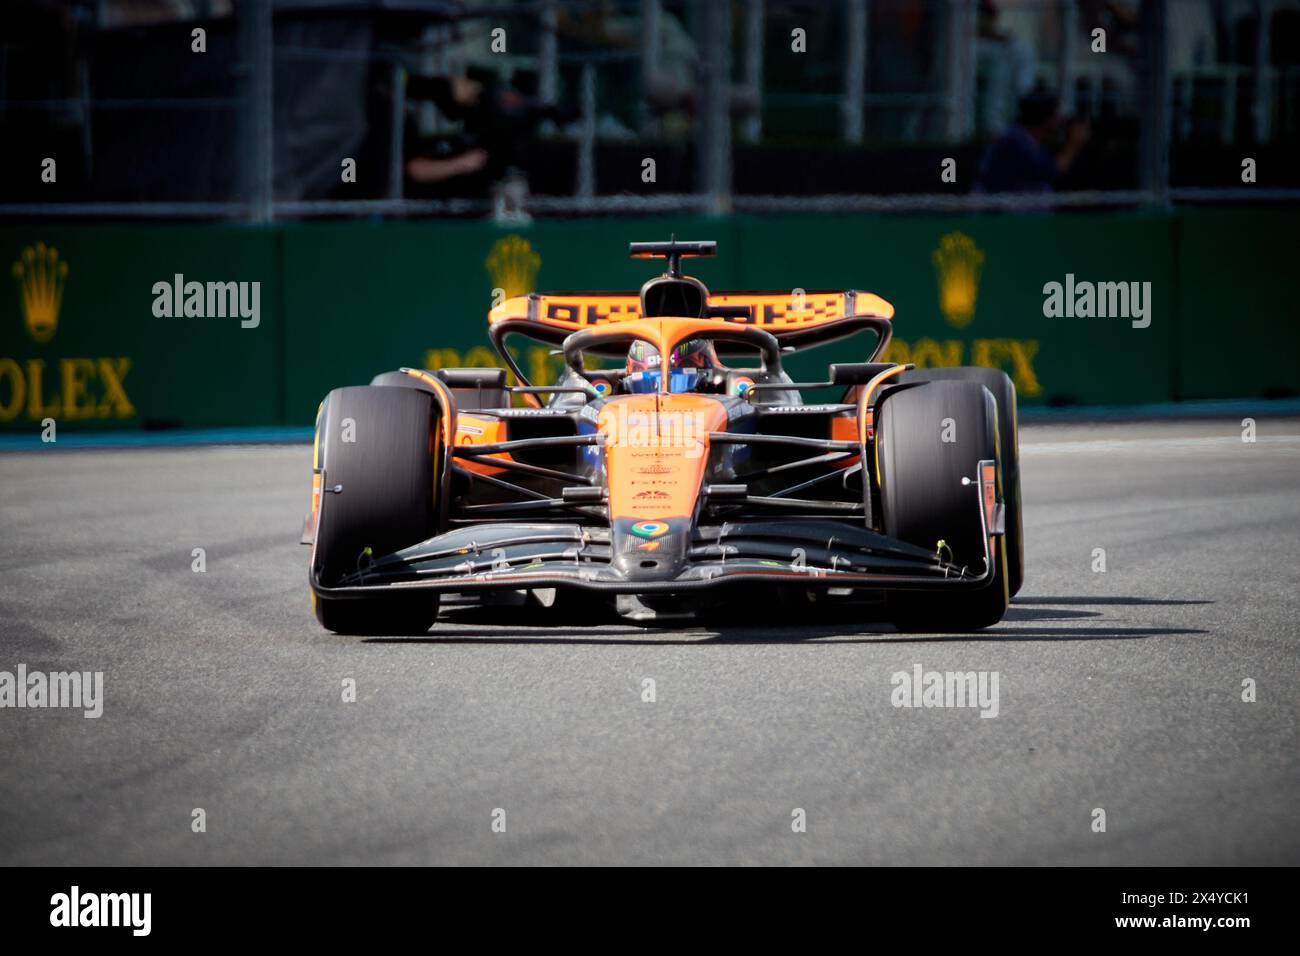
(650, 11)
(1066, 67)
(586, 179)
(548, 56)
(397, 131)
(855, 69)
(434, 62)
(754, 14)
(1264, 13)
(256, 150)
(961, 69)
(714, 123)
(1153, 138)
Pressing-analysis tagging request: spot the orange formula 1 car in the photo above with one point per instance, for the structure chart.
(672, 465)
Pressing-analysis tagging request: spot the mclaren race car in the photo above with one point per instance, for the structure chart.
(673, 465)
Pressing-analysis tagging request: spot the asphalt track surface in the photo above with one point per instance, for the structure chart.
(1119, 690)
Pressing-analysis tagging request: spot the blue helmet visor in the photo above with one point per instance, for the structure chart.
(679, 380)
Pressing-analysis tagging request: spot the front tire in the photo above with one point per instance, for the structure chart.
(383, 448)
(923, 500)
(1004, 395)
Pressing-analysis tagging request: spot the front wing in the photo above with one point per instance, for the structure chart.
(806, 552)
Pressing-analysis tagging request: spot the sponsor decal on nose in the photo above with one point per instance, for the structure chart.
(649, 529)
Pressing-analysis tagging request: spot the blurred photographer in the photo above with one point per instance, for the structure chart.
(1023, 159)
(498, 125)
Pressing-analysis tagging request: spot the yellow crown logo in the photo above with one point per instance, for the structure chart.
(958, 264)
(40, 277)
(513, 265)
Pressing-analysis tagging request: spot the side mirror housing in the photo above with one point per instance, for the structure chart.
(857, 373)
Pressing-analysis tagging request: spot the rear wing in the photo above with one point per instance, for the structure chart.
(798, 321)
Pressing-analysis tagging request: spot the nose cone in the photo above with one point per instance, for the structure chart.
(651, 550)
(656, 455)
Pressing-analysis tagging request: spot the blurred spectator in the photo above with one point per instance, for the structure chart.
(326, 90)
(671, 88)
(1020, 160)
(498, 125)
(133, 13)
(435, 169)
(454, 96)
(1119, 19)
(1006, 65)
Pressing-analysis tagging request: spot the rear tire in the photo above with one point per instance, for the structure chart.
(389, 473)
(923, 500)
(1004, 394)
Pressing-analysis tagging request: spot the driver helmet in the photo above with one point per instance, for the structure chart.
(693, 353)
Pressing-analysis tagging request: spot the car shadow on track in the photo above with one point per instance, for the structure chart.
(1016, 613)
(804, 634)
(843, 625)
(1100, 600)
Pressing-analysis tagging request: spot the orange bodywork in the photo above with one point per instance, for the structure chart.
(845, 429)
(480, 430)
(470, 429)
(770, 310)
(991, 491)
(656, 445)
(866, 418)
(656, 449)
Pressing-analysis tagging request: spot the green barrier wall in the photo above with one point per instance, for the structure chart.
(1239, 332)
(85, 348)
(80, 341)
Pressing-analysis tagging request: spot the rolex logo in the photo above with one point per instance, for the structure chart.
(957, 264)
(40, 277)
(513, 265)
